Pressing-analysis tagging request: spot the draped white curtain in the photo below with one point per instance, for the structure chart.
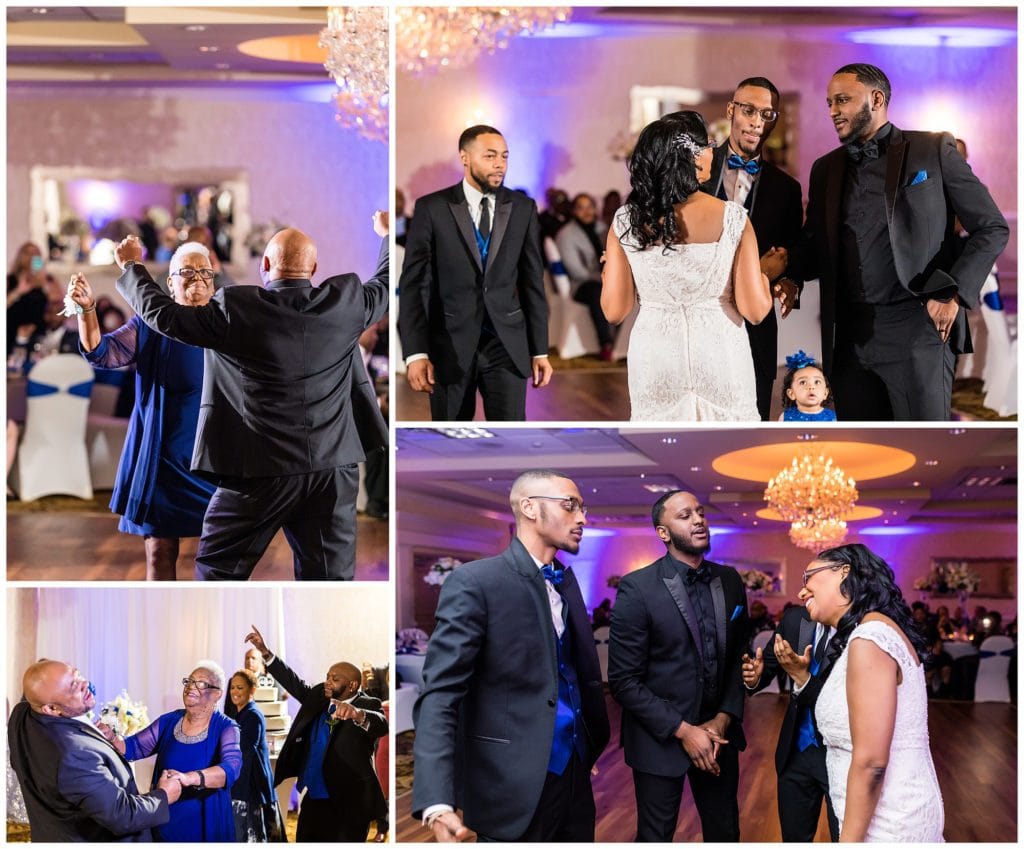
(146, 639)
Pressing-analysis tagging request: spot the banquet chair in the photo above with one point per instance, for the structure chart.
(601, 644)
(52, 458)
(105, 433)
(993, 683)
(570, 328)
(1000, 371)
(760, 641)
(405, 698)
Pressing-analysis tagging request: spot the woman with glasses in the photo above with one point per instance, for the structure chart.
(155, 493)
(691, 261)
(257, 818)
(872, 711)
(199, 747)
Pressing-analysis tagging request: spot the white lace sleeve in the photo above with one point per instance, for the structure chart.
(887, 638)
(733, 222)
(620, 224)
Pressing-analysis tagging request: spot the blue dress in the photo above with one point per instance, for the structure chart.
(155, 493)
(253, 799)
(199, 816)
(793, 414)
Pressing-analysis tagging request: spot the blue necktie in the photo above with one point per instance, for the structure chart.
(751, 166)
(552, 574)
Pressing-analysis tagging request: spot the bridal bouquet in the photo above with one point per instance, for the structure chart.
(756, 580)
(124, 716)
(439, 572)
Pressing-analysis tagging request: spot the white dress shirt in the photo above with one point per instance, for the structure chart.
(736, 181)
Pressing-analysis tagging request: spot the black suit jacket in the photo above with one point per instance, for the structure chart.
(921, 231)
(445, 289)
(485, 719)
(654, 661)
(348, 764)
(284, 389)
(797, 629)
(77, 787)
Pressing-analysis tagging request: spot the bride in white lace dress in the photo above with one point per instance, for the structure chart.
(872, 711)
(691, 261)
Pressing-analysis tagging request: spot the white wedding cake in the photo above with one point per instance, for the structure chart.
(273, 710)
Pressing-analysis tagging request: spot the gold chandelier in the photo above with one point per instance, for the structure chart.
(428, 38)
(813, 494)
(356, 39)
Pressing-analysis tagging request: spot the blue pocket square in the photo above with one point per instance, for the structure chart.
(919, 177)
(736, 613)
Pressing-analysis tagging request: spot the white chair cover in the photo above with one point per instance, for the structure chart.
(52, 458)
(993, 683)
(401, 712)
(601, 643)
(760, 641)
(1000, 371)
(570, 328)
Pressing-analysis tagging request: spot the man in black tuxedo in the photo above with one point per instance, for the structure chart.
(881, 239)
(774, 204)
(77, 787)
(472, 313)
(679, 629)
(512, 715)
(330, 750)
(798, 647)
(288, 410)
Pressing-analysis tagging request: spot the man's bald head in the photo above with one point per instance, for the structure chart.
(523, 486)
(290, 255)
(56, 688)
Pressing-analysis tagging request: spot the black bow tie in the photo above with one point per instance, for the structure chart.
(868, 150)
(701, 573)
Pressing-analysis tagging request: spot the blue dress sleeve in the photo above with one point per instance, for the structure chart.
(143, 744)
(230, 751)
(118, 348)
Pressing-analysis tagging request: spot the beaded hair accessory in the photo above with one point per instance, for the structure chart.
(686, 141)
(800, 360)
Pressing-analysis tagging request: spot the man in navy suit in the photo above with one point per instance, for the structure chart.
(473, 314)
(740, 173)
(679, 629)
(880, 236)
(77, 787)
(512, 715)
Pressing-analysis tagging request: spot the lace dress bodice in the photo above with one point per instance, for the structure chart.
(689, 357)
(910, 806)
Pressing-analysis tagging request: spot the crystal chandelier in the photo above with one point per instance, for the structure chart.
(356, 39)
(429, 38)
(813, 494)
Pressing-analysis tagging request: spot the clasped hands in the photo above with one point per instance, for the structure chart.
(702, 742)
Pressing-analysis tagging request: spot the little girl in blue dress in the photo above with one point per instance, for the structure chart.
(806, 396)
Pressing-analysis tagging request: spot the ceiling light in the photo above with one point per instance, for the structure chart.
(813, 494)
(659, 488)
(694, 468)
(465, 432)
(195, 28)
(938, 36)
(208, 48)
(931, 462)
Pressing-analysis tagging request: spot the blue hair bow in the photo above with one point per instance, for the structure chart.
(799, 360)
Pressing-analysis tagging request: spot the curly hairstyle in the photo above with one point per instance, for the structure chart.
(870, 586)
(662, 173)
(787, 384)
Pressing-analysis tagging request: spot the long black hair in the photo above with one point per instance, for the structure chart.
(870, 586)
(662, 173)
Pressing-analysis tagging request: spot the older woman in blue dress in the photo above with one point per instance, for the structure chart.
(155, 492)
(199, 746)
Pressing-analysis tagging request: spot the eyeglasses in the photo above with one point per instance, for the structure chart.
(749, 111)
(570, 504)
(193, 273)
(201, 686)
(809, 572)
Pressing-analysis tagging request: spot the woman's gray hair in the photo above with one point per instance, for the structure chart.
(216, 672)
(187, 249)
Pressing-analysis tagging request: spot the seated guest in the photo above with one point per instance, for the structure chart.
(938, 670)
(57, 334)
(257, 817)
(580, 244)
(946, 627)
(760, 618)
(330, 750)
(603, 614)
(198, 746)
(26, 293)
(75, 786)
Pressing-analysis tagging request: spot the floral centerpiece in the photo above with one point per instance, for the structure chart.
(949, 577)
(124, 716)
(411, 641)
(757, 581)
(439, 572)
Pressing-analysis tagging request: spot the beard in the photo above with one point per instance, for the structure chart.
(483, 182)
(858, 124)
(684, 545)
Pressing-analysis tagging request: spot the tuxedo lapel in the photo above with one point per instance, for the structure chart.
(714, 184)
(721, 620)
(806, 637)
(674, 584)
(833, 201)
(502, 214)
(894, 159)
(464, 223)
(522, 563)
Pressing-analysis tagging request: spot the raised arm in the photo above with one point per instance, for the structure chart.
(753, 295)
(376, 289)
(618, 292)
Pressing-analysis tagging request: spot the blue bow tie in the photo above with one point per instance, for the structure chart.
(751, 166)
(552, 574)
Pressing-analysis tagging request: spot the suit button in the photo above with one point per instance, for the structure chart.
(551, 702)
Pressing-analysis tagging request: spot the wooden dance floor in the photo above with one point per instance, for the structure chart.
(974, 747)
(86, 546)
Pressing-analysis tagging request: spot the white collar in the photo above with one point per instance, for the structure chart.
(473, 194)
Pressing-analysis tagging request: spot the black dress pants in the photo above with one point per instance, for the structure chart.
(316, 510)
(658, 798)
(330, 821)
(494, 375)
(802, 785)
(764, 345)
(890, 364)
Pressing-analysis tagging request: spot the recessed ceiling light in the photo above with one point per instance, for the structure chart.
(807, 436)
(195, 28)
(718, 488)
(669, 440)
(931, 462)
(40, 11)
(642, 475)
(958, 431)
(917, 483)
(694, 468)
(222, 66)
(594, 489)
(208, 48)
